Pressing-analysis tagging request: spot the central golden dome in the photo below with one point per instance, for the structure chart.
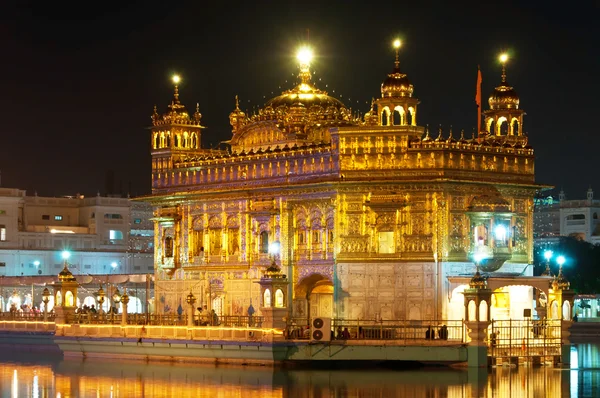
(504, 97)
(306, 94)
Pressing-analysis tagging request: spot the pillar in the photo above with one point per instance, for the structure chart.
(124, 301)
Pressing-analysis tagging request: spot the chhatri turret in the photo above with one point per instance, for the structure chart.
(175, 133)
(504, 118)
(397, 106)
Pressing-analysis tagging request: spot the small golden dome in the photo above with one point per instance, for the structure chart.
(504, 97)
(396, 85)
(66, 276)
(478, 281)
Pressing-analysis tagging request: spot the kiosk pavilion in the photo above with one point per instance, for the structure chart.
(369, 218)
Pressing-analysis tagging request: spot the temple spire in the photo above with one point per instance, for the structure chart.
(397, 45)
(176, 79)
(503, 59)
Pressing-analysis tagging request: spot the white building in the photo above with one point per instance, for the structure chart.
(562, 217)
(105, 235)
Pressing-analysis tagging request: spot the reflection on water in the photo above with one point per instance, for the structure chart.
(40, 375)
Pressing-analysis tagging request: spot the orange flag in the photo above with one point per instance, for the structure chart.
(478, 99)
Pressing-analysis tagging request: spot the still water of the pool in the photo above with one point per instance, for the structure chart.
(47, 375)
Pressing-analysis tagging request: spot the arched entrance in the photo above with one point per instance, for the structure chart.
(314, 297)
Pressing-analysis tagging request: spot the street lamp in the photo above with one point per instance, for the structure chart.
(45, 300)
(125, 301)
(560, 260)
(547, 255)
(191, 299)
(478, 257)
(100, 297)
(116, 299)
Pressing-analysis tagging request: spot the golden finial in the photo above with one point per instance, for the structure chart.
(427, 138)
(450, 136)
(439, 137)
(397, 44)
(176, 79)
(462, 134)
(503, 58)
(304, 56)
(237, 103)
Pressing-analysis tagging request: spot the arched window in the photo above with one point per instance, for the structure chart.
(177, 140)
(168, 246)
(492, 127)
(300, 237)
(278, 298)
(409, 116)
(397, 118)
(69, 299)
(264, 242)
(503, 128)
(483, 311)
(472, 308)
(267, 298)
(595, 216)
(193, 140)
(384, 118)
(156, 141)
(515, 127)
(168, 140)
(58, 298)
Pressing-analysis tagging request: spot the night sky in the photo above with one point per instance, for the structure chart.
(78, 84)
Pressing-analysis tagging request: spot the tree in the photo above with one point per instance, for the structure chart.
(582, 265)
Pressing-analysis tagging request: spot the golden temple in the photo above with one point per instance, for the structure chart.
(367, 216)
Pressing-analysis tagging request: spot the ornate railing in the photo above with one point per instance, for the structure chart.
(364, 329)
(524, 338)
(163, 320)
(26, 316)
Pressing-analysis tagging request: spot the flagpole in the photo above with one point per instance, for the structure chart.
(478, 100)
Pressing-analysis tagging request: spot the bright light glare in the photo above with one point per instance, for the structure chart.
(478, 256)
(560, 260)
(397, 43)
(503, 57)
(500, 232)
(36, 263)
(65, 255)
(113, 264)
(304, 55)
(548, 254)
(274, 248)
(176, 79)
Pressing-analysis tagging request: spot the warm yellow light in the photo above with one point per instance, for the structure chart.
(503, 57)
(304, 55)
(176, 79)
(397, 43)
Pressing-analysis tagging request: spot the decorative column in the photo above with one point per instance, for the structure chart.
(191, 299)
(45, 300)
(560, 300)
(274, 297)
(477, 319)
(65, 293)
(124, 301)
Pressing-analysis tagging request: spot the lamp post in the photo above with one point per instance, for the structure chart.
(100, 298)
(547, 255)
(125, 301)
(116, 299)
(478, 257)
(560, 260)
(191, 299)
(45, 300)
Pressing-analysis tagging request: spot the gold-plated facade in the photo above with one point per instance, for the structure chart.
(370, 215)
